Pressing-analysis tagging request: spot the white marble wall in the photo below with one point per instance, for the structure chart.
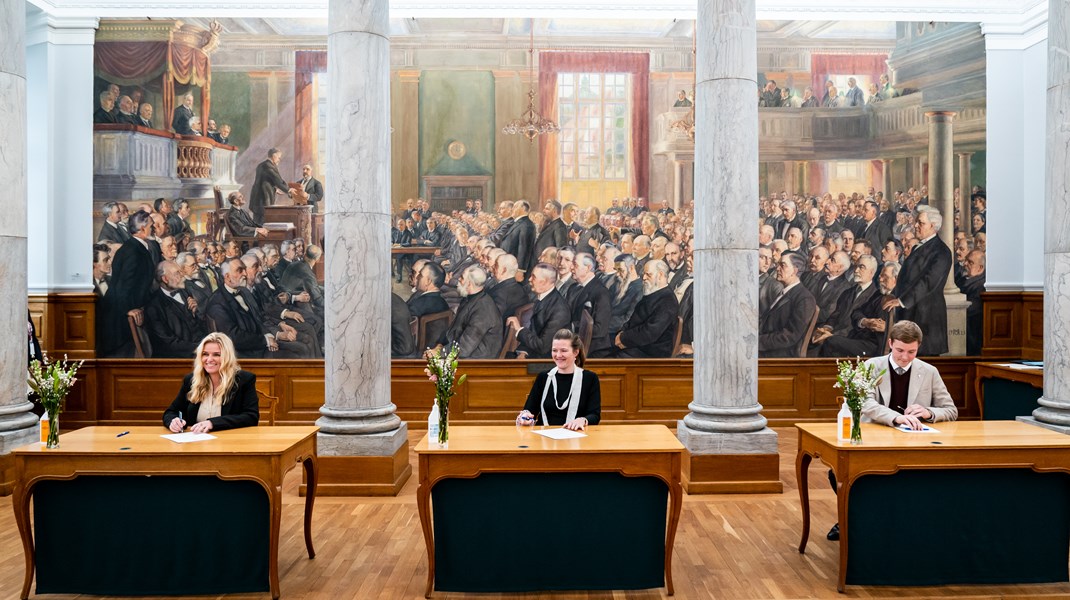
(18, 425)
(357, 235)
(1055, 404)
(726, 260)
(60, 150)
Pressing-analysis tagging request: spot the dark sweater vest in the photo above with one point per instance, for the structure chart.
(900, 389)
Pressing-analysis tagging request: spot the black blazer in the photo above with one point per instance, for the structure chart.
(508, 296)
(244, 327)
(595, 299)
(240, 409)
(315, 191)
(520, 242)
(401, 340)
(112, 234)
(781, 330)
(550, 314)
(554, 235)
(426, 304)
(590, 405)
(477, 329)
(921, 290)
(652, 327)
(173, 330)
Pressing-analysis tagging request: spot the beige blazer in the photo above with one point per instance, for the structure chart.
(926, 389)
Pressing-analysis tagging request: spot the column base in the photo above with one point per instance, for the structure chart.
(9, 440)
(362, 465)
(956, 323)
(1034, 421)
(730, 463)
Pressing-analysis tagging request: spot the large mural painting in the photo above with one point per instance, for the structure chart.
(542, 178)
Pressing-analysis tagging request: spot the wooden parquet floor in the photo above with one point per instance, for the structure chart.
(727, 547)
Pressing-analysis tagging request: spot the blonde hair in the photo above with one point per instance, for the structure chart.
(201, 386)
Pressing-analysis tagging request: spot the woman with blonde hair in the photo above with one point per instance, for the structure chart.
(217, 394)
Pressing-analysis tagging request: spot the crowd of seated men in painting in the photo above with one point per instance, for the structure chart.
(160, 289)
(833, 274)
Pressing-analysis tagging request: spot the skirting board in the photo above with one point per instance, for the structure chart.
(361, 475)
(732, 474)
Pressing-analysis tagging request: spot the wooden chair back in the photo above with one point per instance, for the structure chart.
(431, 327)
(679, 335)
(524, 314)
(142, 346)
(510, 343)
(805, 342)
(273, 403)
(585, 329)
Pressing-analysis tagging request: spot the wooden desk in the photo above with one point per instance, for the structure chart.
(885, 451)
(402, 250)
(300, 216)
(990, 370)
(260, 454)
(630, 450)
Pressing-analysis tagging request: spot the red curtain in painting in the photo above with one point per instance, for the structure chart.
(824, 65)
(130, 63)
(134, 63)
(636, 64)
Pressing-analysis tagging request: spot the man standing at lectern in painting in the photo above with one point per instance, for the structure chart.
(919, 293)
(268, 183)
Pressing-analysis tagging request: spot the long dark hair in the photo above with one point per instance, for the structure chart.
(577, 344)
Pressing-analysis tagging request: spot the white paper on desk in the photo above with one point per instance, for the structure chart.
(560, 434)
(924, 429)
(189, 436)
(1022, 367)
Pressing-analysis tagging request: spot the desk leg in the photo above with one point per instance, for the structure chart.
(310, 499)
(802, 477)
(21, 504)
(676, 497)
(842, 491)
(423, 504)
(273, 550)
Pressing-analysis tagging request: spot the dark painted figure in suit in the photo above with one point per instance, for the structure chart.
(919, 293)
(651, 330)
(174, 331)
(183, 114)
(132, 273)
(217, 394)
(782, 329)
(267, 183)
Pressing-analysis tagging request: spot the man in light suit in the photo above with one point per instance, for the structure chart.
(854, 96)
(910, 393)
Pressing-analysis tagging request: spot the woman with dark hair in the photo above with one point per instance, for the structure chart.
(565, 395)
(217, 394)
(979, 225)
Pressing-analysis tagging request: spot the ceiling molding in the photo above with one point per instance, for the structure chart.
(1004, 11)
(1029, 30)
(42, 27)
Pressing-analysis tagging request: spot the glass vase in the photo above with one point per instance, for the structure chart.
(856, 426)
(444, 425)
(52, 435)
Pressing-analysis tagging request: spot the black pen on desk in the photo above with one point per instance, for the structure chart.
(122, 434)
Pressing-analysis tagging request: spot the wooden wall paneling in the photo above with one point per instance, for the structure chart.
(1033, 339)
(127, 391)
(65, 323)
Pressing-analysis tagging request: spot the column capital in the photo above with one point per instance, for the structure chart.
(941, 115)
(76, 31)
(965, 154)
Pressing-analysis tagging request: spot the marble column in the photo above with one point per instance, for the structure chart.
(678, 184)
(965, 206)
(18, 426)
(886, 177)
(941, 197)
(359, 430)
(1054, 411)
(725, 427)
